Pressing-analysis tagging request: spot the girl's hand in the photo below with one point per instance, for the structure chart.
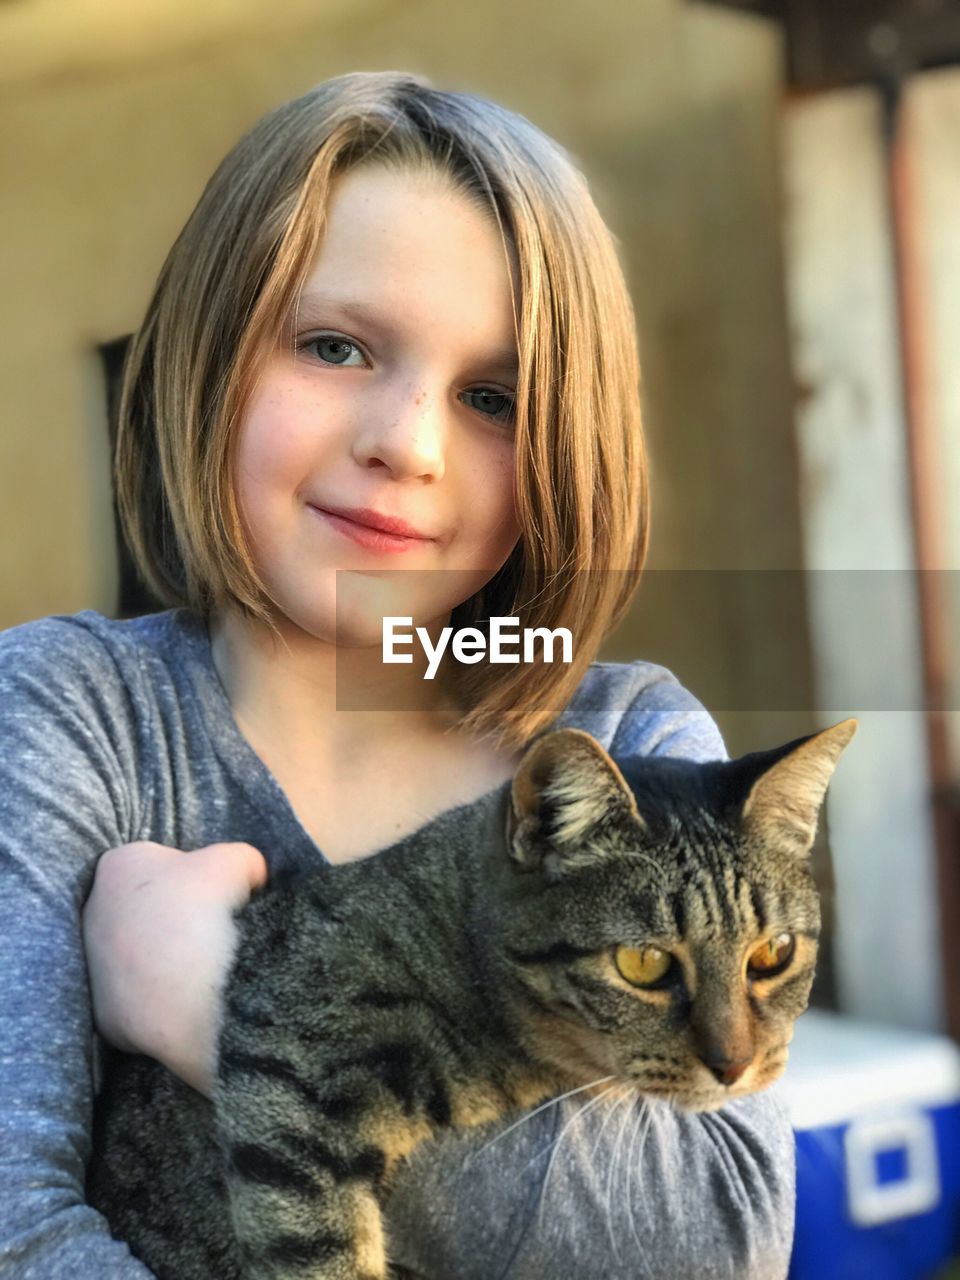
(159, 933)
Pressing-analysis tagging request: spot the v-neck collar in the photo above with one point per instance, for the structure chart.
(253, 776)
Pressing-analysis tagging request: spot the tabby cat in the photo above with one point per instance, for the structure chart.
(652, 920)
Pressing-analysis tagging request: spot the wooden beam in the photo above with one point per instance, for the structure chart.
(830, 44)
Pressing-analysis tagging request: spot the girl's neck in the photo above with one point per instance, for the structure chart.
(327, 702)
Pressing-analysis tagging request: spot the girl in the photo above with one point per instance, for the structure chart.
(393, 335)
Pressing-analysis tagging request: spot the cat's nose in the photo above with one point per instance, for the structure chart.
(725, 1070)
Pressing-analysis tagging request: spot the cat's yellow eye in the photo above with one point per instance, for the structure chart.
(772, 956)
(642, 966)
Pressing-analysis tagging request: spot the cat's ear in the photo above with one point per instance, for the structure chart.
(783, 804)
(565, 790)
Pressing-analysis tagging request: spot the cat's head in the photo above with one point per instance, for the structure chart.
(659, 920)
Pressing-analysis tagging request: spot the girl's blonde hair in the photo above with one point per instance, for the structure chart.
(219, 308)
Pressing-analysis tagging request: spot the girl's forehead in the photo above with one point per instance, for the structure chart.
(398, 243)
(378, 211)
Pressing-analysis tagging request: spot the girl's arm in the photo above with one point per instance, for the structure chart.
(68, 791)
(617, 1191)
(159, 933)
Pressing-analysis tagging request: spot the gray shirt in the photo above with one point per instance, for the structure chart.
(119, 731)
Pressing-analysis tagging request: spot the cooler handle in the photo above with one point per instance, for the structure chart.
(869, 1201)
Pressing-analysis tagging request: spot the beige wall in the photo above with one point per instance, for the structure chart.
(110, 124)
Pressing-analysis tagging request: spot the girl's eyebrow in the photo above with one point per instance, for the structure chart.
(313, 308)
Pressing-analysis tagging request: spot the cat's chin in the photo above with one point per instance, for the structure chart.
(698, 1104)
(705, 1098)
(682, 1100)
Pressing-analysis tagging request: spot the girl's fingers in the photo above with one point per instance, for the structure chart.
(234, 865)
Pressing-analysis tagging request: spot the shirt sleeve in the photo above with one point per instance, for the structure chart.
(665, 719)
(67, 789)
(606, 1189)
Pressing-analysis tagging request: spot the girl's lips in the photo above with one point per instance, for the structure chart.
(371, 539)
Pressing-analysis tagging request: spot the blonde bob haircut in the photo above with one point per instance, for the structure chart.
(223, 299)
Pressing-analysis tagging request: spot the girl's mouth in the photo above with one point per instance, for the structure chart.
(365, 536)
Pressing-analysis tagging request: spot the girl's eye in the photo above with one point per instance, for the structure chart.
(499, 405)
(333, 350)
(643, 966)
(772, 956)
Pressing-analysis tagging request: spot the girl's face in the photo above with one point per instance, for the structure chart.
(391, 398)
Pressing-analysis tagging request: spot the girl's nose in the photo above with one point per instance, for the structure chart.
(406, 436)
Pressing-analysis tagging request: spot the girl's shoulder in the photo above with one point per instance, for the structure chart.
(103, 721)
(111, 665)
(71, 644)
(641, 708)
(84, 731)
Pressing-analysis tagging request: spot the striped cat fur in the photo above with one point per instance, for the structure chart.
(648, 921)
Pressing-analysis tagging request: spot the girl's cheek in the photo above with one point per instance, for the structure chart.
(494, 470)
(276, 436)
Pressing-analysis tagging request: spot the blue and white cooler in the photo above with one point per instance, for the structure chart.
(876, 1111)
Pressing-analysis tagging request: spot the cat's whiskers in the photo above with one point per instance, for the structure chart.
(577, 1115)
(641, 1129)
(596, 1141)
(550, 1102)
(627, 1099)
(556, 1145)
